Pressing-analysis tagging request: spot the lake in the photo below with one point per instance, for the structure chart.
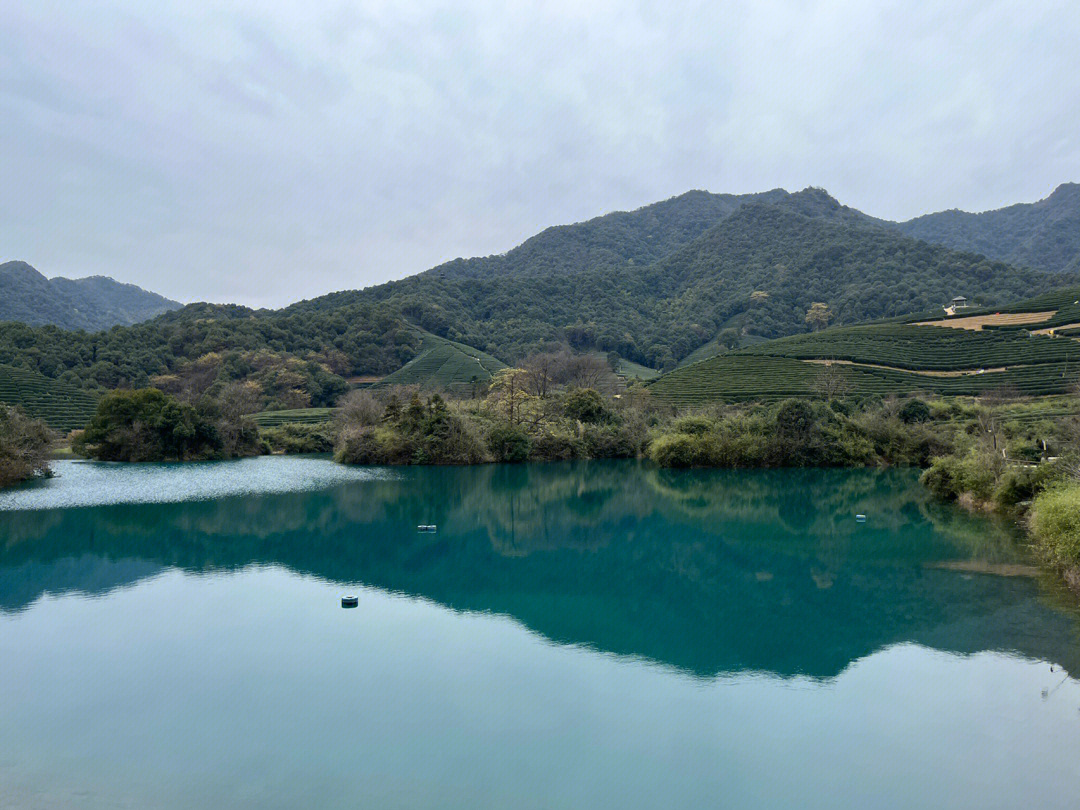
(573, 635)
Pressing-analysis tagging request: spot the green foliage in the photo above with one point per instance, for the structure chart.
(793, 433)
(147, 425)
(204, 344)
(923, 348)
(298, 437)
(24, 446)
(419, 433)
(914, 410)
(729, 338)
(509, 443)
(974, 475)
(653, 286)
(685, 450)
(1055, 522)
(1034, 365)
(585, 405)
(662, 307)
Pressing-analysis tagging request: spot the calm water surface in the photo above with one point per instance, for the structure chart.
(573, 636)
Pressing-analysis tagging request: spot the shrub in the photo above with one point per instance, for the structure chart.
(586, 405)
(147, 425)
(293, 437)
(555, 445)
(693, 425)
(684, 450)
(1055, 522)
(24, 446)
(943, 478)
(372, 445)
(794, 419)
(1019, 484)
(914, 410)
(509, 443)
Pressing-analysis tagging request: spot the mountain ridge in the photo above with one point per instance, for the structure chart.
(1044, 234)
(91, 303)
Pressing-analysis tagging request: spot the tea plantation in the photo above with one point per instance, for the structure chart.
(301, 416)
(924, 348)
(61, 406)
(744, 377)
(444, 365)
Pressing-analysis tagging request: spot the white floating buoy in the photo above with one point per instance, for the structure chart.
(350, 601)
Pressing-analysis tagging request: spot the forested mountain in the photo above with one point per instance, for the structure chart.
(1044, 235)
(652, 285)
(90, 303)
(760, 269)
(611, 241)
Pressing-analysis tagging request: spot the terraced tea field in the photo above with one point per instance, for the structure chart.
(743, 377)
(444, 365)
(1010, 351)
(61, 406)
(303, 416)
(924, 348)
(1053, 309)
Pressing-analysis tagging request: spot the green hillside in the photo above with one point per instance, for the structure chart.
(759, 269)
(442, 364)
(61, 406)
(90, 303)
(656, 286)
(896, 358)
(923, 348)
(1044, 234)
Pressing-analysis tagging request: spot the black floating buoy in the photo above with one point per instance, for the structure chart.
(350, 601)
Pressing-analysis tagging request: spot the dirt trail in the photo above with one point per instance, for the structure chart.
(1052, 329)
(976, 322)
(964, 373)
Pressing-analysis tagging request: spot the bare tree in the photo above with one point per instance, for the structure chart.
(832, 381)
(237, 400)
(588, 371)
(543, 370)
(359, 408)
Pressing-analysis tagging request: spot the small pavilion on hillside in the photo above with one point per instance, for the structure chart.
(957, 303)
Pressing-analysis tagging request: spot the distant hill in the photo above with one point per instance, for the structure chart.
(1044, 234)
(92, 303)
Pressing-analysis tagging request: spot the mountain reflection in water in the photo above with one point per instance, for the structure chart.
(709, 572)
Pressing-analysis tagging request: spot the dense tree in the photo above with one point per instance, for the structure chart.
(149, 425)
(24, 446)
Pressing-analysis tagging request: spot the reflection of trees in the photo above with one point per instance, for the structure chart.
(708, 571)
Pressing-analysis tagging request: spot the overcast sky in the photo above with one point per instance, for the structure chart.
(274, 151)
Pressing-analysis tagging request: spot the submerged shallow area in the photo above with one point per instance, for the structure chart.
(572, 635)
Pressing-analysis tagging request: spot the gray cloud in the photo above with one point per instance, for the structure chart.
(275, 151)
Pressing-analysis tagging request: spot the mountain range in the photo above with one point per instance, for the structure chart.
(1044, 235)
(92, 303)
(656, 283)
(655, 286)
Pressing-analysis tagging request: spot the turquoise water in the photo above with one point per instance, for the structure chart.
(573, 636)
